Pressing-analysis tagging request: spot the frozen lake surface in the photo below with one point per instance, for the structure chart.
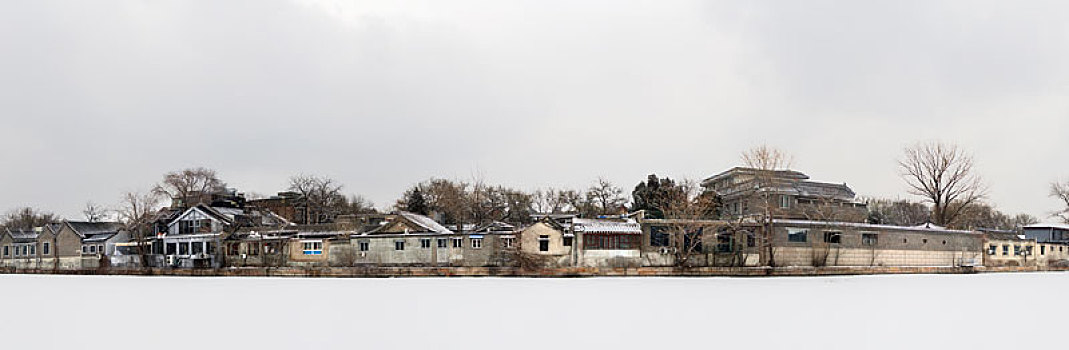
(862, 312)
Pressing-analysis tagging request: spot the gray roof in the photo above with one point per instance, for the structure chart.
(921, 228)
(1040, 226)
(100, 237)
(87, 229)
(24, 236)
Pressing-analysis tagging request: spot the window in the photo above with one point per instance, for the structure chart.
(784, 201)
(725, 243)
(1042, 250)
(508, 242)
(568, 241)
(751, 241)
(543, 243)
(100, 248)
(198, 248)
(992, 249)
(172, 248)
(833, 237)
(443, 243)
(797, 235)
(611, 242)
(183, 248)
(399, 245)
(476, 243)
(458, 242)
(7, 252)
(1005, 249)
(658, 236)
(1028, 250)
(924, 241)
(92, 249)
(85, 250)
(233, 249)
(424, 243)
(17, 251)
(254, 249)
(869, 239)
(210, 247)
(365, 246)
(45, 248)
(312, 247)
(1016, 250)
(194, 226)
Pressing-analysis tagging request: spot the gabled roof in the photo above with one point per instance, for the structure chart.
(415, 224)
(23, 236)
(87, 229)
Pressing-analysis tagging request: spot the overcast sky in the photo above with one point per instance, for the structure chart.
(101, 97)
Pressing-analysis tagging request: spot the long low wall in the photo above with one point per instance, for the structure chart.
(384, 272)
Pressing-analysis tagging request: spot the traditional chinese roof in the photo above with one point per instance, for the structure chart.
(606, 226)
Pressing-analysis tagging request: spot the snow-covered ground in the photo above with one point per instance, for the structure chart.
(866, 312)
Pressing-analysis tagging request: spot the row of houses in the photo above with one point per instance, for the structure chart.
(232, 234)
(408, 239)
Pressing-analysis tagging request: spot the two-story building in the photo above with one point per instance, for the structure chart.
(786, 194)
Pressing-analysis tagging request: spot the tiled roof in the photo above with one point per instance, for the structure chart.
(606, 226)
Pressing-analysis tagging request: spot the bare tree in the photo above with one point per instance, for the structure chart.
(606, 197)
(322, 195)
(944, 175)
(897, 212)
(189, 186)
(27, 218)
(1060, 190)
(137, 209)
(548, 201)
(690, 214)
(94, 212)
(765, 162)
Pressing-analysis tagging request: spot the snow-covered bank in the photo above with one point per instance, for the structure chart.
(875, 312)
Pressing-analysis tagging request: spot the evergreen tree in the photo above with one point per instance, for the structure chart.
(415, 202)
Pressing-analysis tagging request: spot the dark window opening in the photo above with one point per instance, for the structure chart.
(833, 237)
(543, 243)
(797, 235)
(658, 236)
(869, 239)
(399, 245)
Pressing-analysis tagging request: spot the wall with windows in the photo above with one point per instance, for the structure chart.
(473, 250)
(1024, 252)
(828, 244)
(549, 243)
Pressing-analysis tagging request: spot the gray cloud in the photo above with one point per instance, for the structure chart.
(102, 97)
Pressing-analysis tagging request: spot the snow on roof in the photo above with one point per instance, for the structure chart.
(425, 222)
(24, 236)
(923, 228)
(100, 237)
(1057, 226)
(606, 226)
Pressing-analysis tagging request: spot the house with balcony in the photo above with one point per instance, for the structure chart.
(785, 194)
